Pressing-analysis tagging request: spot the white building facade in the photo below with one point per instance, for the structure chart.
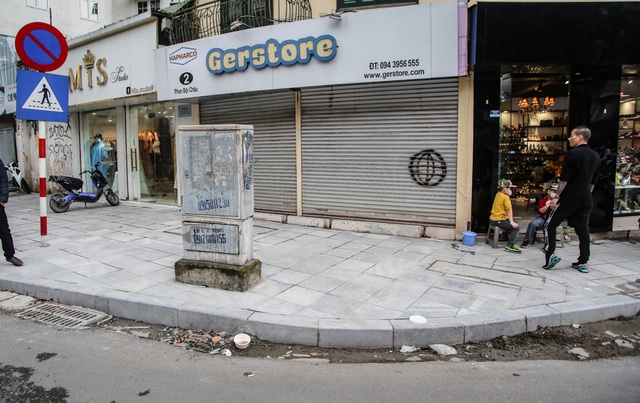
(73, 18)
(359, 118)
(356, 117)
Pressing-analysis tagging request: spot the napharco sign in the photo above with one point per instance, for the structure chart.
(183, 56)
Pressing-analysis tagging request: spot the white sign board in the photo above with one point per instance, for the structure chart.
(9, 99)
(403, 43)
(113, 67)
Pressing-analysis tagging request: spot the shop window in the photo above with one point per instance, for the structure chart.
(89, 10)
(353, 4)
(239, 15)
(142, 7)
(627, 180)
(534, 131)
(41, 4)
(8, 57)
(154, 152)
(100, 137)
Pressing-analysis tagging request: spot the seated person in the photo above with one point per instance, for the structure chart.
(502, 214)
(543, 213)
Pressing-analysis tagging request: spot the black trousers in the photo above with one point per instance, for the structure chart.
(5, 235)
(578, 216)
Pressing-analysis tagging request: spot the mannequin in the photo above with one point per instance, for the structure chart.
(99, 154)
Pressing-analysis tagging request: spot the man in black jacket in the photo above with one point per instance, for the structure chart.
(5, 232)
(573, 197)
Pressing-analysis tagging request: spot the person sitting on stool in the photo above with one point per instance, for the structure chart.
(543, 213)
(502, 215)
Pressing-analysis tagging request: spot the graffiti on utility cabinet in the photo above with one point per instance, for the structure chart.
(427, 168)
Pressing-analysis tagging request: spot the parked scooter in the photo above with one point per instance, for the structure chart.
(61, 202)
(16, 181)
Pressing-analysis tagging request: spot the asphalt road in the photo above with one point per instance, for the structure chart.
(45, 363)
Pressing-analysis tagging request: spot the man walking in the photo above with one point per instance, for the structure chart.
(573, 198)
(5, 232)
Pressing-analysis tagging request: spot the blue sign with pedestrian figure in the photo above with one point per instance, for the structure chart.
(42, 96)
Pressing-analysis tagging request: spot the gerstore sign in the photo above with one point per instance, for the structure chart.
(272, 54)
(415, 42)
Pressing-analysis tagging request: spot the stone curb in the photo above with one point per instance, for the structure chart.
(334, 333)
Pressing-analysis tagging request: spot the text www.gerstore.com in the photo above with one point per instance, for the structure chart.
(393, 69)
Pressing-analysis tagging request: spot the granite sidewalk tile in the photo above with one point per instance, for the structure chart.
(320, 287)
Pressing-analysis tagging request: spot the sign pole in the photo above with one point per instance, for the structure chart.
(43, 48)
(42, 141)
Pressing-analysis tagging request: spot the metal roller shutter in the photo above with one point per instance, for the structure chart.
(383, 151)
(273, 118)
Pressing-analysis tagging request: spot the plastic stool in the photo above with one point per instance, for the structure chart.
(496, 235)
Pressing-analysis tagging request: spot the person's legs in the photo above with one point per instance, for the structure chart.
(512, 233)
(533, 227)
(5, 235)
(580, 219)
(556, 217)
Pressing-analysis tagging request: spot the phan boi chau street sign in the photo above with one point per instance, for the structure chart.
(41, 46)
(42, 96)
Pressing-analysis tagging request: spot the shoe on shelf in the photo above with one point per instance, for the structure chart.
(581, 267)
(525, 244)
(15, 261)
(512, 248)
(553, 261)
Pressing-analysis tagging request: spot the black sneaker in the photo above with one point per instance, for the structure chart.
(553, 261)
(15, 261)
(525, 244)
(581, 267)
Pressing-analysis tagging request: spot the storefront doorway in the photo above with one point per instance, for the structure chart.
(153, 152)
(627, 179)
(100, 137)
(534, 109)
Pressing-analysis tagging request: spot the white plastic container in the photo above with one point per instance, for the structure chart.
(242, 340)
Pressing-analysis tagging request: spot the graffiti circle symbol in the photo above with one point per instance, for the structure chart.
(427, 168)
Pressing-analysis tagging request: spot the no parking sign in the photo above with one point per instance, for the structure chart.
(41, 46)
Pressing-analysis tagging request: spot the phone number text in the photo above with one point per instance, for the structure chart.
(394, 64)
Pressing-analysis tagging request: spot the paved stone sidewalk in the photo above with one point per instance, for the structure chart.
(319, 287)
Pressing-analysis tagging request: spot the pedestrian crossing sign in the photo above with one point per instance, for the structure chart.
(42, 96)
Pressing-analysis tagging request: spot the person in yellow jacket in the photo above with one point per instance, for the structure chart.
(502, 215)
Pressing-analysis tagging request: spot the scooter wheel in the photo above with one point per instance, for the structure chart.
(112, 198)
(56, 202)
(25, 186)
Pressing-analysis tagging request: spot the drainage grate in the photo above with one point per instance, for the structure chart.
(66, 316)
